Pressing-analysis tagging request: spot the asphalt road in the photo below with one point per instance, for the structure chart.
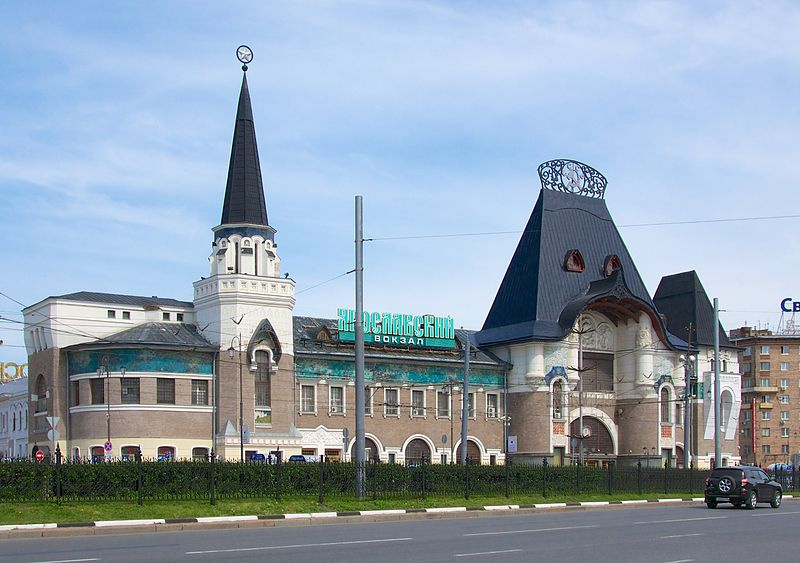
(655, 533)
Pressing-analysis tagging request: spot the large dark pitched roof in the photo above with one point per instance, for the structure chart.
(167, 335)
(118, 299)
(244, 193)
(537, 289)
(682, 299)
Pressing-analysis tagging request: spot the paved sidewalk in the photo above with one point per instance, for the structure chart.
(271, 520)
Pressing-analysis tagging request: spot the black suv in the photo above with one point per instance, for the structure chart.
(742, 486)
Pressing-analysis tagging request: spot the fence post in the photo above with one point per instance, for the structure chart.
(374, 480)
(610, 477)
(58, 474)
(666, 469)
(544, 477)
(506, 468)
(639, 475)
(691, 477)
(466, 480)
(278, 478)
(213, 477)
(138, 457)
(321, 479)
(578, 478)
(423, 477)
(794, 478)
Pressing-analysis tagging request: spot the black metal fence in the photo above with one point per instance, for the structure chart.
(139, 480)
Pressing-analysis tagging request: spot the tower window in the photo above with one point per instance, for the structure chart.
(612, 263)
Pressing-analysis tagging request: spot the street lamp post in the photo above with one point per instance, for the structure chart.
(104, 370)
(231, 352)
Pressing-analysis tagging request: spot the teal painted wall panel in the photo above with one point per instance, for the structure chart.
(337, 370)
(149, 360)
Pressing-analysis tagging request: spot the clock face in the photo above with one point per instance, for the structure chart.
(244, 54)
(572, 177)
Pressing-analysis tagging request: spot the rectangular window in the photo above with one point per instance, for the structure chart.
(179, 317)
(471, 405)
(492, 405)
(165, 391)
(784, 415)
(766, 415)
(765, 448)
(747, 367)
(391, 403)
(766, 399)
(97, 387)
(747, 383)
(199, 392)
(764, 366)
(765, 432)
(765, 350)
(164, 316)
(598, 372)
(784, 366)
(746, 416)
(129, 390)
(417, 402)
(336, 399)
(748, 351)
(442, 404)
(126, 315)
(75, 393)
(308, 400)
(784, 383)
(368, 401)
(111, 314)
(784, 448)
(764, 382)
(784, 399)
(784, 350)
(784, 432)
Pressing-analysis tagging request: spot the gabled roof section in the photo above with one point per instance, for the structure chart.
(682, 299)
(175, 335)
(118, 299)
(244, 192)
(537, 287)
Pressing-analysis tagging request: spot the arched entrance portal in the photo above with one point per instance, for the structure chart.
(371, 450)
(473, 453)
(598, 447)
(418, 451)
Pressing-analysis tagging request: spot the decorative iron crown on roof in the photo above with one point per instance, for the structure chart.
(572, 177)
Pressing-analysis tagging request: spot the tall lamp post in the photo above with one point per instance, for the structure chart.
(231, 352)
(103, 370)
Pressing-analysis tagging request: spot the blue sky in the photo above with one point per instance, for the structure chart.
(116, 121)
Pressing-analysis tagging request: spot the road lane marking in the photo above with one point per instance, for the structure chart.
(680, 561)
(485, 553)
(295, 546)
(529, 531)
(70, 560)
(681, 536)
(775, 513)
(683, 520)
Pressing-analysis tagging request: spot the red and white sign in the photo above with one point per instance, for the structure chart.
(40, 455)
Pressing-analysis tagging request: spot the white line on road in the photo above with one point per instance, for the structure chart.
(485, 553)
(70, 560)
(775, 513)
(681, 536)
(529, 531)
(683, 520)
(680, 561)
(295, 546)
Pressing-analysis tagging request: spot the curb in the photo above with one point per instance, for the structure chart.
(156, 522)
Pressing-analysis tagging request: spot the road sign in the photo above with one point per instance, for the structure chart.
(444, 438)
(40, 455)
(345, 433)
(512, 444)
(53, 435)
(107, 446)
(52, 420)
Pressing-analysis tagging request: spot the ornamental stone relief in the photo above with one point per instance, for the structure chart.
(643, 338)
(663, 366)
(554, 355)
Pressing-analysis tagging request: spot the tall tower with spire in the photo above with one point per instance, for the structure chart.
(245, 304)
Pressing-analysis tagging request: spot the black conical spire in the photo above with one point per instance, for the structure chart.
(244, 193)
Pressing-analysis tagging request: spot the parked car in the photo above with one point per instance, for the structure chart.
(297, 458)
(742, 486)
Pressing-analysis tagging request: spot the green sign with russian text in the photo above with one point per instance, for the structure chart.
(392, 329)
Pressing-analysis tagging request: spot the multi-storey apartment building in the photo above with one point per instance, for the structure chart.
(769, 425)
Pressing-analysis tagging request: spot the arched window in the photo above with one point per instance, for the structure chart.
(726, 407)
(263, 383)
(612, 263)
(573, 261)
(558, 400)
(665, 405)
(166, 453)
(41, 394)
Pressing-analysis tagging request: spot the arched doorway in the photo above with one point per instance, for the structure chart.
(598, 446)
(372, 453)
(679, 457)
(417, 451)
(473, 453)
